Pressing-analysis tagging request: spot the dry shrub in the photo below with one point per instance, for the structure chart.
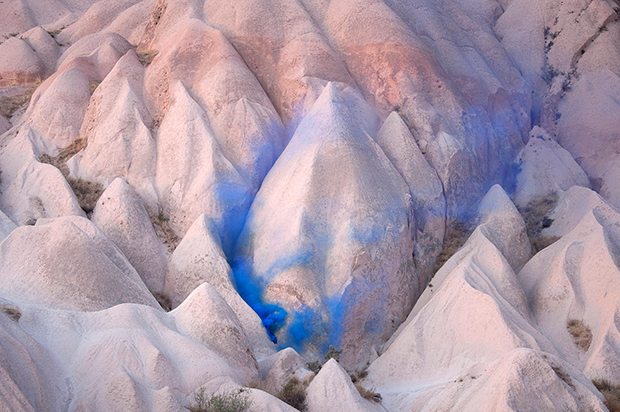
(562, 374)
(332, 353)
(60, 161)
(146, 57)
(12, 312)
(370, 395)
(582, 335)
(10, 104)
(163, 229)
(163, 300)
(610, 392)
(86, 192)
(294, 394)
(456, 236)
(92, 85)
(235, 401)
(536, 217)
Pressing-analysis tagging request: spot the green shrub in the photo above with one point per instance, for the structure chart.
(314, 366)
(332, 353)
(294, 394)
(235, 401)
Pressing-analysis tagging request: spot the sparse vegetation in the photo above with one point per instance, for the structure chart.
(235, 401)
(370, 395)
(536, 217)
(332, 353)
(562, 374)
(163, 300)
(357, 376)
(12, 312)
(164, 230)
(294, 394)
(86, 192)
(457, 235)
(582, 335)
(146, 57)
(93, 84)
(314, 366)
(610, 392)
(10, 104)
(60, 160)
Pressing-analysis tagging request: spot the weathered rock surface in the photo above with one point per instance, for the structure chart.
(324, 243)
(291, 170)
(71, 265)
(120, 215)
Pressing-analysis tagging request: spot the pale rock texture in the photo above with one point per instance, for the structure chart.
(116, 126)
(193, 176)
(332, 389)
(575, 279)
(223, 332)
(6, 226)
(500, 222)
(24, 65)
(71, 265)
(243, 120)
(199, 258)
(429, 204)
(545, 167)
(120, 215)
(277, 369)
(325, 244)
(475, 316)
(30, 190)
(45, 46)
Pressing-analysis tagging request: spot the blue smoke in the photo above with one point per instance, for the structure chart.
(272, 316)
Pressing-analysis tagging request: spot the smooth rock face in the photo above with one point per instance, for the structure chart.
(198, 259)
(337, 261)
(72, 265)
(122, 218)
(429, 211)
(332, 389)
(545, 167)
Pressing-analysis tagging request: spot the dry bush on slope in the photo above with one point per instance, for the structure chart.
(536, 217)
(294, 394)
(610, 392)
(235, 401)
(582, 335)
(10, 104)
(86, 192)
(12, 312)
(457, 235)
